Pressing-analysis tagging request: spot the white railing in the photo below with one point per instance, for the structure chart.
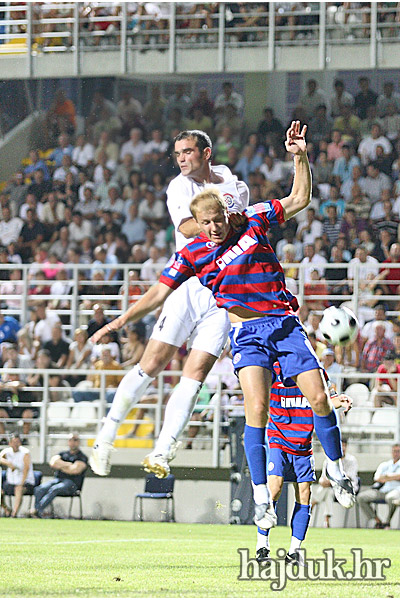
(80, 27)
(351, 290)
(382, 426)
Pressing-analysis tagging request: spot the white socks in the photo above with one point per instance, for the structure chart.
(129, 392)
(295, 544)
(262, 540)
(335, 468)
(177, 413)
(261, 493)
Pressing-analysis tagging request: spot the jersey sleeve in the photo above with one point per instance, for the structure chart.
(271, 212)
(177, 204)
(179, 271)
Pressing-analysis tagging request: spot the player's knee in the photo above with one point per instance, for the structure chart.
(258, 410)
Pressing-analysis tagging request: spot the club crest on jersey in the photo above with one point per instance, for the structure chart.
(210, 245)
(229, 199)
(236, 358)
(243, 244)
(271, 465)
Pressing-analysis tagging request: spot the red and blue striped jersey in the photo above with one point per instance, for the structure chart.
(291, 425)
(243, 271)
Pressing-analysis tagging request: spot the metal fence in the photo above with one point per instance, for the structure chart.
(364, 424)
(357, 289)
(78, 27)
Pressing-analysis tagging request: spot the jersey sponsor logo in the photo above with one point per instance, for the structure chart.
(243, 244)
(236, 358)
(296, 402)
(255, 209)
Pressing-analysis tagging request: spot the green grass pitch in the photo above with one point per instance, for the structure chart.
(61, 558)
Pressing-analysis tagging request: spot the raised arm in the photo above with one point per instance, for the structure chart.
(300, 196)
(151, 300)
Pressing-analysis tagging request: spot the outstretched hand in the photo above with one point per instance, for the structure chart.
(108, 328)
(345, 402)
(295, 139)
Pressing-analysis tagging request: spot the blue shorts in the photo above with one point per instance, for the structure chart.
(291, 467)
(261, 342)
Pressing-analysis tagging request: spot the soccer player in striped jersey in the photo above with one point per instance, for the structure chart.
(190, 315)
(290, 429)
(245, 277)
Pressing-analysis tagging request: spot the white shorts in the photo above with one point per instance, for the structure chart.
(191, 315)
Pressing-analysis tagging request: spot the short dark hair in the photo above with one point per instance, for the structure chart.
(201, 138)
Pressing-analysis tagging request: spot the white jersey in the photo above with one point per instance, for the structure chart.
(191, 313)
(17, 459)
(182, 190)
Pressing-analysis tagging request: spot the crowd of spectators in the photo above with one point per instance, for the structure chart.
(245, 22)
(98, 197)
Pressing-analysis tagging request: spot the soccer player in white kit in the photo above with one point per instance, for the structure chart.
(189, 314)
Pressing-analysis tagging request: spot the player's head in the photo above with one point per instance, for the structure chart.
(211, 213)
(192, 149)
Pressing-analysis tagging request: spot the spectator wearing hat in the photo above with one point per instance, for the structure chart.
(330, 365)
(385, 388)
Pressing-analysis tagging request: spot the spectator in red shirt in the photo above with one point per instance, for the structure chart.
(375, 349)
(392, 273)
(385, 389)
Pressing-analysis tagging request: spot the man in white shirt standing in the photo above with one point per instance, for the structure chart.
(19, 478)
(189, 315)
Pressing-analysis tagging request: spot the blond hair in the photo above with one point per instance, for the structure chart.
(209, 198)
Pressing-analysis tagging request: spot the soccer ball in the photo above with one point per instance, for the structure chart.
(339, 326)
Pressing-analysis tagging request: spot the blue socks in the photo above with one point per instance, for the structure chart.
(256, 453)
(300, 520)
(328, 433)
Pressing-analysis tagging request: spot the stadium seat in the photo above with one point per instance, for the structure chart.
(358, 417)
(359, 392)
(58, 413)
(38, 480)
(386, 417)
(157, 489)
(84, 415)
(76, 494)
